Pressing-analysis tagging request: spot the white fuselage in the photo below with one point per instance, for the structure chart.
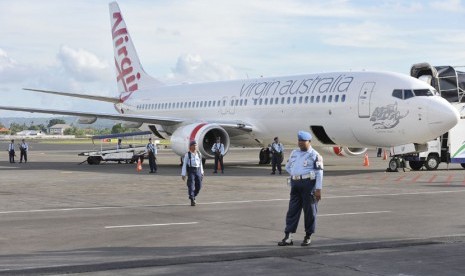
(355, 109)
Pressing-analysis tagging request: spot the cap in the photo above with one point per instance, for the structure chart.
(193, 142)
(275, 138)
(150, 138)
(303, 135)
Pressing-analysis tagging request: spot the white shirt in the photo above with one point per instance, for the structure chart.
(302, 162)
(218, 147)
(24, 146)
(11, 147)
(195, 161)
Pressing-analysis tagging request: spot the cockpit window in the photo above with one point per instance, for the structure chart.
(423, 92)
(408, 94)
(397, 93)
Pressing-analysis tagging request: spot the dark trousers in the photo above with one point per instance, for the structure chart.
(152, 162)
(219, 157)
(194, 181)
(11, 154)
(276, 161)
(23, 155)
(302, 197)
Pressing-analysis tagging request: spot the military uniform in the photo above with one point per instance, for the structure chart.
(11, 151)
(218, 150)
(306, 170)
(23, 147)
(152, 152)
(277, 151)
(193, 168)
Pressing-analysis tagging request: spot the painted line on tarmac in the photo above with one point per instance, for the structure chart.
(359, 213)
(216, 202)
(150, 225)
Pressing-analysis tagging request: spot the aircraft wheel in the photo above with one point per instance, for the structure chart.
(394, 165)
(415, 165)
(93, 160)
(432, 163)
(463, 165)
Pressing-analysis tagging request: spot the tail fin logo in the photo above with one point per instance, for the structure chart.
(123, 62)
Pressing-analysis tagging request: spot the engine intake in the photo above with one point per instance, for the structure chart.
(205, 135)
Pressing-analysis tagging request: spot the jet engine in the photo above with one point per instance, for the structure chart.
(205, 134)
(87, 120)
(344, 151)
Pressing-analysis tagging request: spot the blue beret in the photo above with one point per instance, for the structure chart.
(303, 135)
(193, 142)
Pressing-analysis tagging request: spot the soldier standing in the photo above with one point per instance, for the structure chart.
(11, 151)
(152, 151)
(218, 150)
(305, 166)
(23, 147)
(277, 151)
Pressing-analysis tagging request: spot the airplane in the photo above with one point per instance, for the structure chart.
(347, 112)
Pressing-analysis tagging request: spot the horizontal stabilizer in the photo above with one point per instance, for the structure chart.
(78, 95)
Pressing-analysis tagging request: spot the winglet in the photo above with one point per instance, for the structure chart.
(130, 75)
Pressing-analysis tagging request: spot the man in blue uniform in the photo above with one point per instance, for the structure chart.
(11, 151)
(192, 166)
(218, 150)
(24, 148)
(305, 166)
(152, 152)
(277, 151)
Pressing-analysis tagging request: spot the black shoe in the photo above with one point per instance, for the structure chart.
(272, 173)
(192, 202)
(285, 242)
(307, 240)
(279, 173)
(151, 172)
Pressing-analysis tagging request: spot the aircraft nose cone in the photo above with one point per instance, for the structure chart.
(442, 117)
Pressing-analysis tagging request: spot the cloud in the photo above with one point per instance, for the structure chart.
(364, 35)
(448, 6)
(192, 68)
(82, 65)
(12, 71)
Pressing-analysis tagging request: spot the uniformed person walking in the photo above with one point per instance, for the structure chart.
(23, 147)
(218, 150)
(277, 151)
(11, 151)
(192, 167)
(152, 152)
(305, 166)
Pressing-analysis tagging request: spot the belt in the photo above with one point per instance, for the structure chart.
(300, 177)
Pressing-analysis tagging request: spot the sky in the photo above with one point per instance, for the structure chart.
(66, 45)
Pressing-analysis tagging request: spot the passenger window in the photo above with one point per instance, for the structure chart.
(266, 101)
(408, 94)
(317, 99)
(397, 93)
(282, 100)
(276, 101)
(330, 98)
(336, 98)
(323, 99)
(306, 99)
(288, 100)
(312, 98)
(343, 98)
(245, 102)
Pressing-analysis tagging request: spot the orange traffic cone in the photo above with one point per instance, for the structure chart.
(139, 165)
(366, 163)
(385, 155)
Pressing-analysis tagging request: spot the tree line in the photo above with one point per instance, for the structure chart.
(73, 130)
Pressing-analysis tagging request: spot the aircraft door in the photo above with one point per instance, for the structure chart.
(364, 99)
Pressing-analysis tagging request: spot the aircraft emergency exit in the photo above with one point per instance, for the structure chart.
(347, 111)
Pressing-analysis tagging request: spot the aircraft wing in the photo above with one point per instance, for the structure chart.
(232, 127)
(123, 117)
(77, 95)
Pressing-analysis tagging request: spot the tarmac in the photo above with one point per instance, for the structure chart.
(60, 217)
